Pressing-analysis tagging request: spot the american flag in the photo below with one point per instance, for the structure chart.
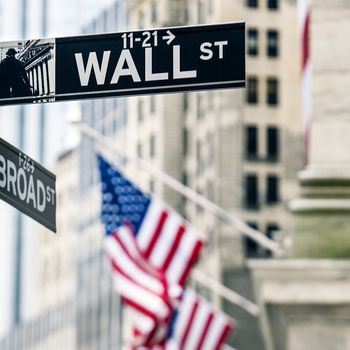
(150, 301)
(166, 241)
(304, 7)
(143, 289)
(196, 325)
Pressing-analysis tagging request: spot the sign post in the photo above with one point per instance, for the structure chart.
(128, 63)
(27, 186)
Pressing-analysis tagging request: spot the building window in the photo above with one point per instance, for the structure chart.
(210, 7)
(210, 99)
(185, 142)
(271, 230)
(272, 43)
(251, 142)
(211, 148)
(152, 186)
(210, 190)
(140, 111)
(153, 12)
(200, 109)
(199, 157)
(152, 104)
(272, 92)
(252, 90)
(251, 247)
(253, 42)
(141, 20)
(252, 3)
(139, 150)
(201, 11)
(272, 143)
(272, 189)
(185, 102)
(185, 179)
(152, 146)
(251, 191)
(273, 4)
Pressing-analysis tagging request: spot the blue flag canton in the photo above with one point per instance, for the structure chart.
(122, 202)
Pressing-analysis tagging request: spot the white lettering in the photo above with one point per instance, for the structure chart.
(53, 192)
(31, 191)
(125, 57)
(21, 194)
(178, 74)
(41, 200)
(92, 65)
(149, 75)
(11, 178)
(221, 45)
(205, 48)
(2, 171)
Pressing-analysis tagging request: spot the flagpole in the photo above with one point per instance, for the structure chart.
(216, 286)
(200, 200)
(225, 292)
(227, 347)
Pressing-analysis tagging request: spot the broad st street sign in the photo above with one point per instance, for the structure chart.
(27, 186)
(128, 63)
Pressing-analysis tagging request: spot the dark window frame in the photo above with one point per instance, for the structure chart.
(272, 189)
(252, 3)
(253, 37)
(273, 5)
(252, 142)
(272, 91)
(272, 36)
(273, 143)
(252, 91)
(251, 186)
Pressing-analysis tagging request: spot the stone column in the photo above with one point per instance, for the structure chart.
(322, 213)
(305, 301)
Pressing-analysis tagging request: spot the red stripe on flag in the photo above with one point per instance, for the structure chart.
(189, 324)
(225, 333)
(135, 261)
(205, 330)
(156, 234)
(306, 40)
(194, 258)
(174, 247)
(141, 309)
(128, 277)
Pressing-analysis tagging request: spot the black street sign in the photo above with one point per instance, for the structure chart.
(128, 63)
(27, 186)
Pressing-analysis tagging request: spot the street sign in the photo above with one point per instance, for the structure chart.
(128, 63)
(27, 186)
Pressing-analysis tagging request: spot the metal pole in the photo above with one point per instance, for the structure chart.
(216, 286)
(225, 292)
(42, 110)
(19, 220)
(211, 207)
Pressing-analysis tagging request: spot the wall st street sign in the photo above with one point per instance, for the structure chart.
(27, 186)
(128, 63)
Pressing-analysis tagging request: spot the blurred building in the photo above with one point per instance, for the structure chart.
(241, 149)
(98, 317)
(52, 323)
(40, 131)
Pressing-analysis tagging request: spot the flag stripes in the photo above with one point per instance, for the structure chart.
(198, 326)
(304, 7)
(139, 285)
(166, 240)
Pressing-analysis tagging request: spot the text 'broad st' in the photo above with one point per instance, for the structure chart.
(27, 186)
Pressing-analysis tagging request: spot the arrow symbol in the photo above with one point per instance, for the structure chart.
(170, 37)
